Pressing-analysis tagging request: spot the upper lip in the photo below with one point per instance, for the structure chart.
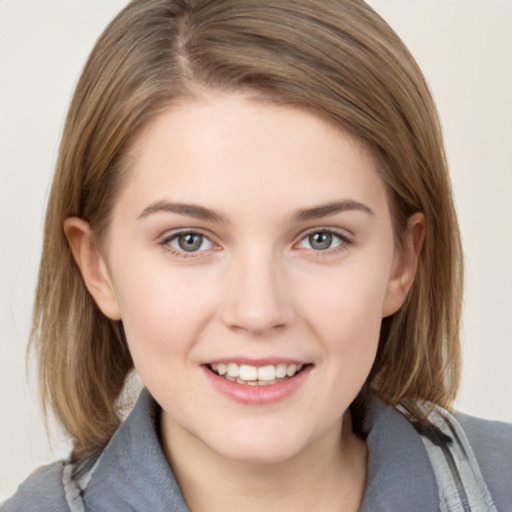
(258, 362)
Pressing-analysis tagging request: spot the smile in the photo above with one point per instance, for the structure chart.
(255, 375)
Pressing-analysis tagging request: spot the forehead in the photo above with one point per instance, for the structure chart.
(238, 151)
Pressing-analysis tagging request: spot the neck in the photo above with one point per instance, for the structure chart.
(329, 475)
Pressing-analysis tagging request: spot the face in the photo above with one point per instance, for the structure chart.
(251, 259)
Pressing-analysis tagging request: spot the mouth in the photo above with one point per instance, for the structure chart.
(249, 375)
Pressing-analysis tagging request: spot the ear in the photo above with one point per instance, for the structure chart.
(92, 266)
(405, 263)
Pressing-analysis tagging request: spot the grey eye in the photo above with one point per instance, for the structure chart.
(321, 241)
(190, 242)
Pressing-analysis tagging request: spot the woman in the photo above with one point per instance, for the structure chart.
(251, 208)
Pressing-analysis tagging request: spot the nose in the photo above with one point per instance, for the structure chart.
(257, 299)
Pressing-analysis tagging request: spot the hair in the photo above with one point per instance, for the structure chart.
(337, 58)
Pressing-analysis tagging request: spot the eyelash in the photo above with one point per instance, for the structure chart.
(165, 243)
(344, 242)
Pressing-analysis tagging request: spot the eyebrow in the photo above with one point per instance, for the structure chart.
(304, 214)
(186, 209)
(328, 209)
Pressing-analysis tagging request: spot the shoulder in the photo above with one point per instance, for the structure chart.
(491, 442)
(41, 492)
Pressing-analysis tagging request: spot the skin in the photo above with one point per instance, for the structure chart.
(256, 288)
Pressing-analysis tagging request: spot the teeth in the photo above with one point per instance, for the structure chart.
(281, 371)
(267, 373)
(253, 375)
(247, 372)
(291, 370)
(233, 370)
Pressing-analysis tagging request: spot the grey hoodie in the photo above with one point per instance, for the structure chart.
(132, 474)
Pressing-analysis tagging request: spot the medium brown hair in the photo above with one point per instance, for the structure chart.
(337, 58)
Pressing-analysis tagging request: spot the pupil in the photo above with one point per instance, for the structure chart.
(320, 241)
(190, 242)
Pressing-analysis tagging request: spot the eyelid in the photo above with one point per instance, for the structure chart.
(165, 242)
(174, 242)
(345, 238)
(342, 233)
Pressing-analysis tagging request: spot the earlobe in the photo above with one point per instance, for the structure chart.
(404, 265)
(92, 266)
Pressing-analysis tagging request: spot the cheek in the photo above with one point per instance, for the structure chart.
(163, 310)
(346, 306)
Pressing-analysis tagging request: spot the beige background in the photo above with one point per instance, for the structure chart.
(465, 50)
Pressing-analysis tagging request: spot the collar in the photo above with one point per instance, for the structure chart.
(400, 475)
(133, 473)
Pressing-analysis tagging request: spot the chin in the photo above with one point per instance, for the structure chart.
(260, 448)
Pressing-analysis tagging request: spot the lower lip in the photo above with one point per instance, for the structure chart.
(257, 395)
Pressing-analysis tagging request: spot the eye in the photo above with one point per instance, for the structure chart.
(322, 241)
(189, 242)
